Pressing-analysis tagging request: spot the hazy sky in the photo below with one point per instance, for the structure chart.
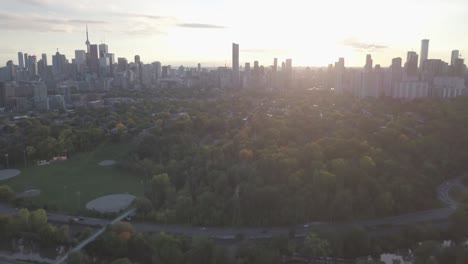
(311, 32)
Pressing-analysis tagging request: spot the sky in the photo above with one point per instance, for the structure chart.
(175, 32)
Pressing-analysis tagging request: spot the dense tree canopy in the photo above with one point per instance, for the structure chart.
(275, 159)
(255, 158)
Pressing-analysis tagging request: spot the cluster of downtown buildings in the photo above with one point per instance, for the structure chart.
(418, 77)
(33, 84)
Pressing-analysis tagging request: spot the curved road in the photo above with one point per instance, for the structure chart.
(443, 192)
(434, 215)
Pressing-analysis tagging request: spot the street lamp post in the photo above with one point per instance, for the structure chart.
(64, 195)
(79, 199)
(6, 159)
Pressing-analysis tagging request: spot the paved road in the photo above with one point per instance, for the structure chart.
(435, 215)
(443, 192)
(299, 230)
(8, 261)
(95, 235)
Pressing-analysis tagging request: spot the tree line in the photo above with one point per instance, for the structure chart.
(300, 157)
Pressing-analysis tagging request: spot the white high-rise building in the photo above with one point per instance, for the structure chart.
(448, 87)
(424, 52)
(411, 90)
(235, 65)
(340, 76)
(80, 60)
(455, 55)
(157, 71)
(41, 101)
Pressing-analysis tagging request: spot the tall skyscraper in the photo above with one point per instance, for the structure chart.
(289, 65)
(411, 65)
(32, 67)
(396, 75)
(247, 69)
(455, 55)
(10, 71)
(256, 69)
(111, 58)
(235, 65)
(367, 87)
(369, 63)
(289, 71)
(122, 64)
(26, 61)
(396, 64)
(199, 67)
(157, 70)
(40, 99)
(20, 60)
(93, 59)
(42, 67)
(44, 59)
(80, 60)
(275, 65)
(340, 76)
(59, 65)
(424, 52)
(139, 68)
(103, 50)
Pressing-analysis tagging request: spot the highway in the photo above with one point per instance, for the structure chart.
(95, 235)
(230, 233)
(8, 261)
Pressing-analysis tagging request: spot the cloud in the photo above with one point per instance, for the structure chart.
(144, 32)
(154, 17)
(86, 21)
(34, 2)
(37, 23)
(362, 46)
(146, 17)
(264, 51)
(201, 26)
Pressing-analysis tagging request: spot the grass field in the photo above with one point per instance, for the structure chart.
(69, 185)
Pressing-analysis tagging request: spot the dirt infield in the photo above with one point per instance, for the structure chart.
(7, 174)
(29, 193)
(107, 163)
(111, 203)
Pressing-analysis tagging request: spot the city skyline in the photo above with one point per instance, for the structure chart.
(42, 26)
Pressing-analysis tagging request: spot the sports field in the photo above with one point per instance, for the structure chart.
(69, 185)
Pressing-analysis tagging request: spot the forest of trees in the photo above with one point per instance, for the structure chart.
(33, 227)
(257, 159)
(277, 159)
(254, 158)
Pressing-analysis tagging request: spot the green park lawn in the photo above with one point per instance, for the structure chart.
(69, 185)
